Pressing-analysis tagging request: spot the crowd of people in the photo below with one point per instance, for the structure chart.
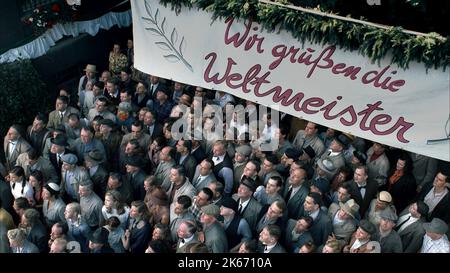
(103, 172)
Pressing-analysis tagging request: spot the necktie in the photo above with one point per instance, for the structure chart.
(399, 226)
(265, 249)
(240, 209)
(198, 180)
(288, 196)
(182, 240)
(58, 159)
(61, 116)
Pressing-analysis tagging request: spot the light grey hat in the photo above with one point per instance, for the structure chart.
(388, 214)
(436, 226)
(244, 150)
(69, 159)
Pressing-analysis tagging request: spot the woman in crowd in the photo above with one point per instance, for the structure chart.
(114, 206)
(53, 207)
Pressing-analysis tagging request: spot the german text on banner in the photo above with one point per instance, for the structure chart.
(408, 109)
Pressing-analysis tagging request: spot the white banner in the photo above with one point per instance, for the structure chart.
(408, 109)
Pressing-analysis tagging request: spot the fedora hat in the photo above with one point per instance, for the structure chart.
(350, 207)
(59, 140)
(326, 165)
(94, 155)
(90, 68)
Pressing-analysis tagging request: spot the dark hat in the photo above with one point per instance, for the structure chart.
(322, 184)
(90, 68)
(100, 236)
(59, 140)
(344, 140)
(309, 151)
(422, 208)
(134, 161)
(107, 122)
(367, 227)
(436, 226)
(211, 209)
(230, 203)
(69, 159)
(94, 155)
(52, 188)
(249, 183)
(388, 214)
(163, 89)
(362, 157)
(244, 150)
(293, 153)
(326, 165)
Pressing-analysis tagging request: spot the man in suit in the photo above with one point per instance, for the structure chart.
(269, 238)
(241, 157)
(410, 226)
(362, 190)
(181, 214)
(115, 182)
(91, 96)
(377, 164)
(57, 150)
(389, 239)
(295, 193)
(13, 146)
(135, 177)
(31, 161)
(71, 178)
(111, 140)
(437, 196)
(268, 168)
(86, 143)
(360, 241)
(197, 150)
(223, 166)
(297, 233)
(203, 174)
(137, 132)
(37, 232)
(74, 125)
(271, 215)
(18, 242)
(184, 157)
(248, 208)
(186, 234)
(321, 227)
(343, 220)
(309, 137)
(236, 227)
(97, 173)
(336, 153)
(166, 162)
(151, 127)
(215, 236)
(37, 133)
(61, 113)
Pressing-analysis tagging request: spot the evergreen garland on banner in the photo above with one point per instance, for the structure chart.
(432, 50)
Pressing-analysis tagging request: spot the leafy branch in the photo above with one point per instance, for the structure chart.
(175, 53)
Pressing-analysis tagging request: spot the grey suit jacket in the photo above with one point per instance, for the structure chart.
(54, 119)
(80, 149)
(295, 204)
(215, 238)
(321, 228)
(199, 185)
(343, 230)
(22, 146)
(251, 212)
(278, 248)
(162, 174)
(412, 235)
(291, 244)
(42, 164)
(79, 175)
(183, 248)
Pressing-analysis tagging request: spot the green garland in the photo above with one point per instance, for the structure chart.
(375, 43)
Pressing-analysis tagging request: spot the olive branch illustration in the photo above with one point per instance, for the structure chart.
(175, 53)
